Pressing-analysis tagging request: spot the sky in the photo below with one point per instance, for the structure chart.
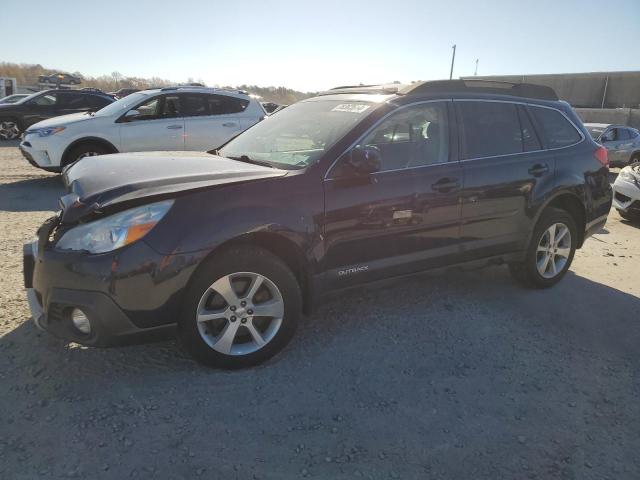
(312, 46)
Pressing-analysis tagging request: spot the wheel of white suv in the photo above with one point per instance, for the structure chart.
(90, 149)
(550, 251)
(9, 129)
(242, 307)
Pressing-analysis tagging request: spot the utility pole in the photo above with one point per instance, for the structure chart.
(453, 59)
(475, 74)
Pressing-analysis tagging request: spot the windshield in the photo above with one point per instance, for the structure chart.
(12, 98)
(122, 105)
(298, 135)
(595, 132)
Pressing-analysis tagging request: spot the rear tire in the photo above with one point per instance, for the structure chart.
(90, 149)
(550, 251)
(221, 325)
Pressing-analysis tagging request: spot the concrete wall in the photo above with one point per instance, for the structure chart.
(622, 116)
(587, 90)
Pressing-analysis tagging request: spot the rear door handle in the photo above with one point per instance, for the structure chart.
(230, 124)
(539, 169)
(174, 127)
(446, 185)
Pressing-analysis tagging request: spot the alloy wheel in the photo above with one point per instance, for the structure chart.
(554, 249)
(240, 313)
(9, 130)
(87, 154)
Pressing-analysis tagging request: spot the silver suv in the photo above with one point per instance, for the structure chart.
(621, 142)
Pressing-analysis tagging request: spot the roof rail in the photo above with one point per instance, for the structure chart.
(178, 87)
(526, 90)
(372, 89)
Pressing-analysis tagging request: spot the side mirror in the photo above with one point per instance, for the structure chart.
(365, 160)
(131, 115)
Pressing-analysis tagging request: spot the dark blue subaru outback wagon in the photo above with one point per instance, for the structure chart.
(357, 184)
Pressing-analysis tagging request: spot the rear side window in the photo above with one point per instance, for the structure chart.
(530, 140)
(623, 134)
(557, 130)
(224, 105)
(73, 100)
(194, 105)
(489, 129)
(96, 101)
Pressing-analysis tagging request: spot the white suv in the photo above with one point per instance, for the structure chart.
(176, 118)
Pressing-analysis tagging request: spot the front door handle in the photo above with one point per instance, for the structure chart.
(174, 127)
(230, 124)
(446, 185)
(539, 169)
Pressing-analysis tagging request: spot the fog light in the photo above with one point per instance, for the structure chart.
(80, 321)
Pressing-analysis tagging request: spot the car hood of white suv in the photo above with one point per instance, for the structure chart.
(62, 121)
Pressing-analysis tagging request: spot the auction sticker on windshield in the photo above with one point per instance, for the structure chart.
(350, 107)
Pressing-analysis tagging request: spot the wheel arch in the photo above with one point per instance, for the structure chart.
(282, 247)
(64, 160)
(570, 203)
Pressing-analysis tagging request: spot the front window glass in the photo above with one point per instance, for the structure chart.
(300, 134)
(414, 136)
(45, 100)
(122, 105)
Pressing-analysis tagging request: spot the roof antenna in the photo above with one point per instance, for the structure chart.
(453, 59)
(475, 74)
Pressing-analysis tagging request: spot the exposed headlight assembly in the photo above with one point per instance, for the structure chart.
(114, 231)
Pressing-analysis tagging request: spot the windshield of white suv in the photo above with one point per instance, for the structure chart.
(122, 105)
(297, 136)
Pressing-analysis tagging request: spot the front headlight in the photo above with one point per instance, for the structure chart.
(46, 132)
(114, 231)
(627, 176)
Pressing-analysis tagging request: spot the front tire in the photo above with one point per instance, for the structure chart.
(9, 129)
(550, 251)
(241, 308)
(84, 150)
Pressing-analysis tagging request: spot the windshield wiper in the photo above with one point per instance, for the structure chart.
(246, 159)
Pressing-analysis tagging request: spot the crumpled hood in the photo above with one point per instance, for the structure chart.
(62, 120)
(98, 182)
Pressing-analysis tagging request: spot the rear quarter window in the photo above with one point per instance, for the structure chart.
(557, 130)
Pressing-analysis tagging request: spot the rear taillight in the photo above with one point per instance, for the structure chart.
(602, 156)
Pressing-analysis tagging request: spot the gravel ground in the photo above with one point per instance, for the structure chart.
(451, 375)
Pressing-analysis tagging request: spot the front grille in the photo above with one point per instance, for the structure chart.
(622, 198)
(635, 206)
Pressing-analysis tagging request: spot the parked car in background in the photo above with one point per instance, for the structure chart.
(626, 192)
(123, 92)
(173, 118)
(17, 117)
(355, 185)
(60, 78)
(270, 107)
(622, 142)
(13, 98)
